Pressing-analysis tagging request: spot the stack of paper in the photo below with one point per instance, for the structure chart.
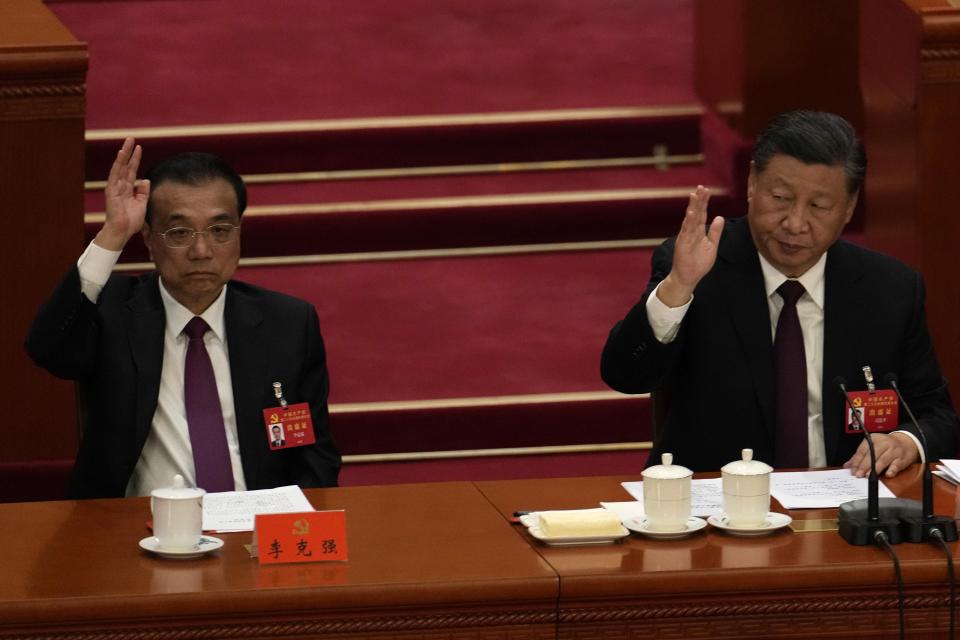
(824, 489)
(949, 470)
(820, 489)
(235, 510)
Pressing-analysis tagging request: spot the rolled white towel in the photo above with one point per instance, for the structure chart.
(580, 523)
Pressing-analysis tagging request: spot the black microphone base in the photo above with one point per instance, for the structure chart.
(862, 531)
(919, 529)
(857, 528)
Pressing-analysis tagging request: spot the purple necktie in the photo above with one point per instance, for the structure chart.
(208, 438)
(790, 367)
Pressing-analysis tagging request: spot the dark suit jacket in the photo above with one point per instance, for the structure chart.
(718, 373)
(115, 350)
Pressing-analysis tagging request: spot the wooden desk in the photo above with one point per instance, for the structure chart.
(712, 585)
(440, 561)
(429, 560)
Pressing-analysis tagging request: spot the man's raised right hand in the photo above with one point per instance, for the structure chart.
(126, 199)
(694, 253)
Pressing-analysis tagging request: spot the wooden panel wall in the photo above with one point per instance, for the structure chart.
(757, 58)
(910, 70)
(42, 74)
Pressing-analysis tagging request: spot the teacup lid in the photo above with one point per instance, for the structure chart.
(179, 490)
(747, 466)
(667, 470)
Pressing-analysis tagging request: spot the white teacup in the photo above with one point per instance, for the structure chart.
(666, 495)
(746, 491)
(177, 515)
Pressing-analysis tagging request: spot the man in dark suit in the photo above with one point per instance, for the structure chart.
(702, 338)
(159, 399)
(277, 432)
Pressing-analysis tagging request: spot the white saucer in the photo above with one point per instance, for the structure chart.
(774, 522)
(639, 525)
(531, 522)
(206, 545)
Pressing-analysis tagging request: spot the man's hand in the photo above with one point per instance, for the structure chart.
(126, 199)
(895, 452)
(694, 253)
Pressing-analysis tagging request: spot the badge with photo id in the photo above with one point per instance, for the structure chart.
(289, 425)
(877, 411)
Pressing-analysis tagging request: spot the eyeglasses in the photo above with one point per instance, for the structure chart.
(183, 237)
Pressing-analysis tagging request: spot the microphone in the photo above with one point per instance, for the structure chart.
(921, 529)
(860, 520)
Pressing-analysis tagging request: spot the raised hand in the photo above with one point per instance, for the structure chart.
(126, 199)
(694, 253)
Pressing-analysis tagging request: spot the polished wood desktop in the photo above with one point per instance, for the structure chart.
(427, 560)
(714, 585)
(441, 560)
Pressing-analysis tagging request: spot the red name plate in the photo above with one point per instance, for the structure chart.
(312, 536)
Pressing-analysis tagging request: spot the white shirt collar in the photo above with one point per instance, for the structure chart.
(178, 315)
(812, 280)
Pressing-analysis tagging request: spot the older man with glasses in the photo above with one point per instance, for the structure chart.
(180, 368)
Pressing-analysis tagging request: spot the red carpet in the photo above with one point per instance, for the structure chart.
(169, 62)
(465, 327)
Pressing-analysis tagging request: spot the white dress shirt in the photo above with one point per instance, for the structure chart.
(665, 322)
(167, 450)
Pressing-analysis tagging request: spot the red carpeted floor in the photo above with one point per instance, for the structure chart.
(214, 61)
(465, 327)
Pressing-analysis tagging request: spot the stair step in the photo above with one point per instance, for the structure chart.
(310, 218)
(477, 427)
(417, 141)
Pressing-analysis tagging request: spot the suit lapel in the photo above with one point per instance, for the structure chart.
(748, 309)
(145, 326)
(842, 331)
(243, 320)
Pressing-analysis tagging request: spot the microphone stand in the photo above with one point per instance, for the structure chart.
(920, 529)
(860, 520)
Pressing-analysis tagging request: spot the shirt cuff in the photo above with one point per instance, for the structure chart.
(916, 441)
(665, 321)
(95, 266)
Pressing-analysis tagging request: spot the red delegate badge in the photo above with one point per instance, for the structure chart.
(877, 411)
(289, 426)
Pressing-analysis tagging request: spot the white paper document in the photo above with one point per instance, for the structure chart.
(625, 510)
(706, 496)
(234, 510)
(820, 489)
(949, 470)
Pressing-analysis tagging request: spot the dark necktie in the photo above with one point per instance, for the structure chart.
(790, 366)
(208, 438)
